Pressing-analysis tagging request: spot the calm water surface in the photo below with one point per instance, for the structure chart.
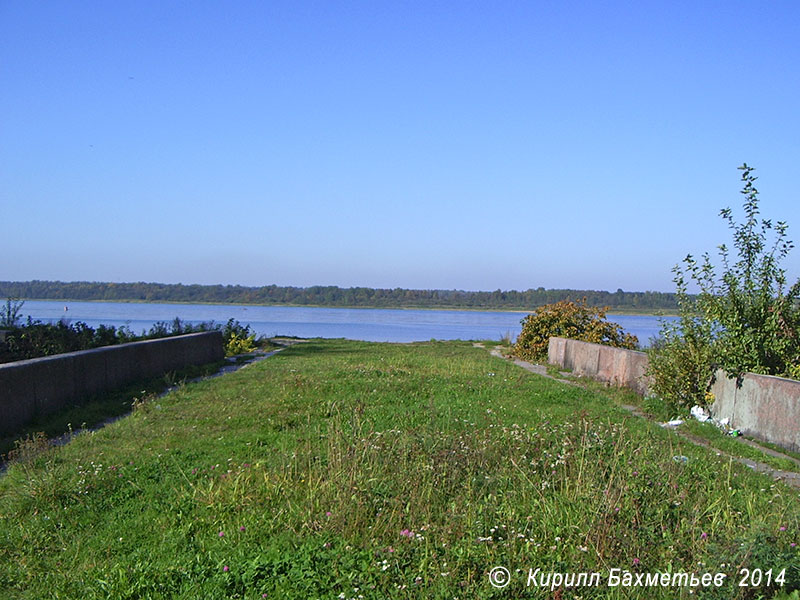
(372, 325)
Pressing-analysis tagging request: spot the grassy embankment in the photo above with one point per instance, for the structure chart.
(707, 433)
(344, 469)
(96, 410)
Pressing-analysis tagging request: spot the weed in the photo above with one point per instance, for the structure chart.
(11, 312)
(28, 448)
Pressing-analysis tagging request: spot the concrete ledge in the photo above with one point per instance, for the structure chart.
(605, 363)
(90, 371)
(33, 388)
(17, 396)
(763, 406)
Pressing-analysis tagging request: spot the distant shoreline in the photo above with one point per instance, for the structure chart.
(523, 311)
(331, 296)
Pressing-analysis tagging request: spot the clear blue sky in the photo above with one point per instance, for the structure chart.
(470, 145)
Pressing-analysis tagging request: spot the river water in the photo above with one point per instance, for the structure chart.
(374, 325)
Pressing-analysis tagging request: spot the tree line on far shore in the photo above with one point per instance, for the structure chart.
(332, 295)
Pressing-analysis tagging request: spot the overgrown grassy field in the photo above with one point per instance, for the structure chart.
(341, 469)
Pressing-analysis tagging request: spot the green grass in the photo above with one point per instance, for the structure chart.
(500, 344)
(98, 409)
(659, 412)
(340, 469)
(560, 372)
(776, 448)
(731, 445)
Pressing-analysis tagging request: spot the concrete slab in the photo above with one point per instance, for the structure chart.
(41, 386)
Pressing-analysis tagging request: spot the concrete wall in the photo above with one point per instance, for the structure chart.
(37, 387)
(614, 365)
(763, 406)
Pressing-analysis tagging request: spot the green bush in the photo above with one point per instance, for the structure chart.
(681, 361)
(744, 319)
(240, 345)
(239, 339)
(34, 338)
(574, 320)
(177, 327)
(758, 317)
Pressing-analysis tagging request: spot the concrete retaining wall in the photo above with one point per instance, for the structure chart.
(40, 386)
(614, 365)
(763, 406)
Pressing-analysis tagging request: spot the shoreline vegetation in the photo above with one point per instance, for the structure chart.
(619, 302)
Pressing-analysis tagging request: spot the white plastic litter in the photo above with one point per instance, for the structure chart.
(702, 415)
(673, 423)
(699, 413)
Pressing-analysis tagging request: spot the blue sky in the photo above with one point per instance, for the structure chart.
(466, 145)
